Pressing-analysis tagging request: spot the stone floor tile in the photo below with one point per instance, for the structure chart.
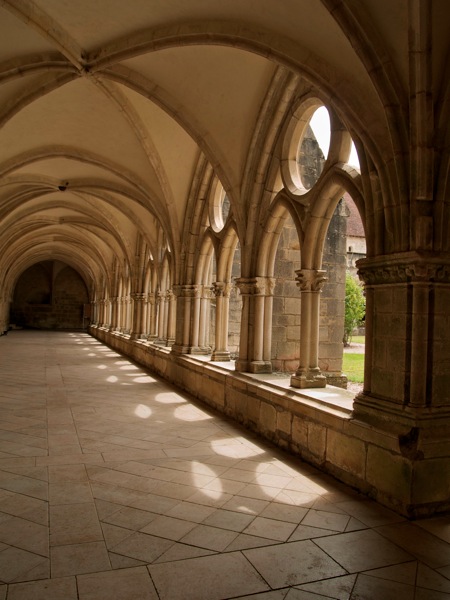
(273, 595)
(251, 506)
(124, 584)
(155, 504)
(40, 571)
(293, 563)
(168, 527)
(373, 588)
(211, 538)
(40, 473)
(142, 547)
(227, 519)
(362, 550)
(339, 588)
(27, 487)
(422, 545)
(113, 534)
(370, 513)
(24, 534)
(118, 561)
(74, 524)
(182, 551)
(284, 512)
(210, 498)
(244, 541)
(438, 526)
(79, 558)
(270, 529)
(29, 508)
(67, 473)
(3, 590)
(326, 520)
(64, 588)
(188, 511)
(15, 562)
(70, 493)
(202, 578)
(131, 518)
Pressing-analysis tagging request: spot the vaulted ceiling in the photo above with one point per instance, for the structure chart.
(107, 105)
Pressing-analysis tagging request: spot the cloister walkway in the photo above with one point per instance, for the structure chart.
(114, 485)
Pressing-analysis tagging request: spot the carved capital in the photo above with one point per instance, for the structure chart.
(411, 267)
(186, 291)
(221, 288)
(256, 286)
(311, 280)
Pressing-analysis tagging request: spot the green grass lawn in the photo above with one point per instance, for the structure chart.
(353, 366)
(358, 339)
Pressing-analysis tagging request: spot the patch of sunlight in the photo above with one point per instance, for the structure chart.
(92, 354)
(128, 367)
(143, 411)
(169, 398)
(121, 362)
(112, 379)
(235, 450)
(102, 367)
(143, 379)
(198, 480)
(190, 413)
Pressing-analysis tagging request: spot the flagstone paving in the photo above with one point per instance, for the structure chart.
(115, 485)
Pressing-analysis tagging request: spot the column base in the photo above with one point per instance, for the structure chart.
(260, 366)
(221, 356)
(308, 381)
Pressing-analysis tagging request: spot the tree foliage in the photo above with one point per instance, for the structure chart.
(355, 307)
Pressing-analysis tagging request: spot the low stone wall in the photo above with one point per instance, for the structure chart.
(315, 425)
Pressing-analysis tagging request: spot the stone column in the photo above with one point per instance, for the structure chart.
(405, 404)
(221, 290)
(137, 326)
(153, 307)
(256, 325)
(308, 375)
(185, 295)
(171, 316)
(114, 309)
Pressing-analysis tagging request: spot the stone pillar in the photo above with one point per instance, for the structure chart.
(171, 316)
(114, 312)
(138, 326)
(308, 375)
(221, 290)
(153, 307)
(256, 325)
(185, 296)
(204, 346)
(405, 402)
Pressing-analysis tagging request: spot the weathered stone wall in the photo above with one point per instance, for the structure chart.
(49, 295)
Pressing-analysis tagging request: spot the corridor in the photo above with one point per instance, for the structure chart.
(116, 486)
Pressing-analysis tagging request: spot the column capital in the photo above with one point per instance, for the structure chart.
(221, 288)
(310, 280)
(405, 267)
(256, 286)
(188, 290)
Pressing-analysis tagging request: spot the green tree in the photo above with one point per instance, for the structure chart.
(355, 307)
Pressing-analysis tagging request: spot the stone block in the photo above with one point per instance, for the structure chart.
(317, 439)
(431, 481)
(300, 432)
(267, 418)
(346, 453)
(389, 473)
(284, 423)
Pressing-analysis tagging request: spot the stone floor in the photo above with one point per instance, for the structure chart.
(116, 486)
